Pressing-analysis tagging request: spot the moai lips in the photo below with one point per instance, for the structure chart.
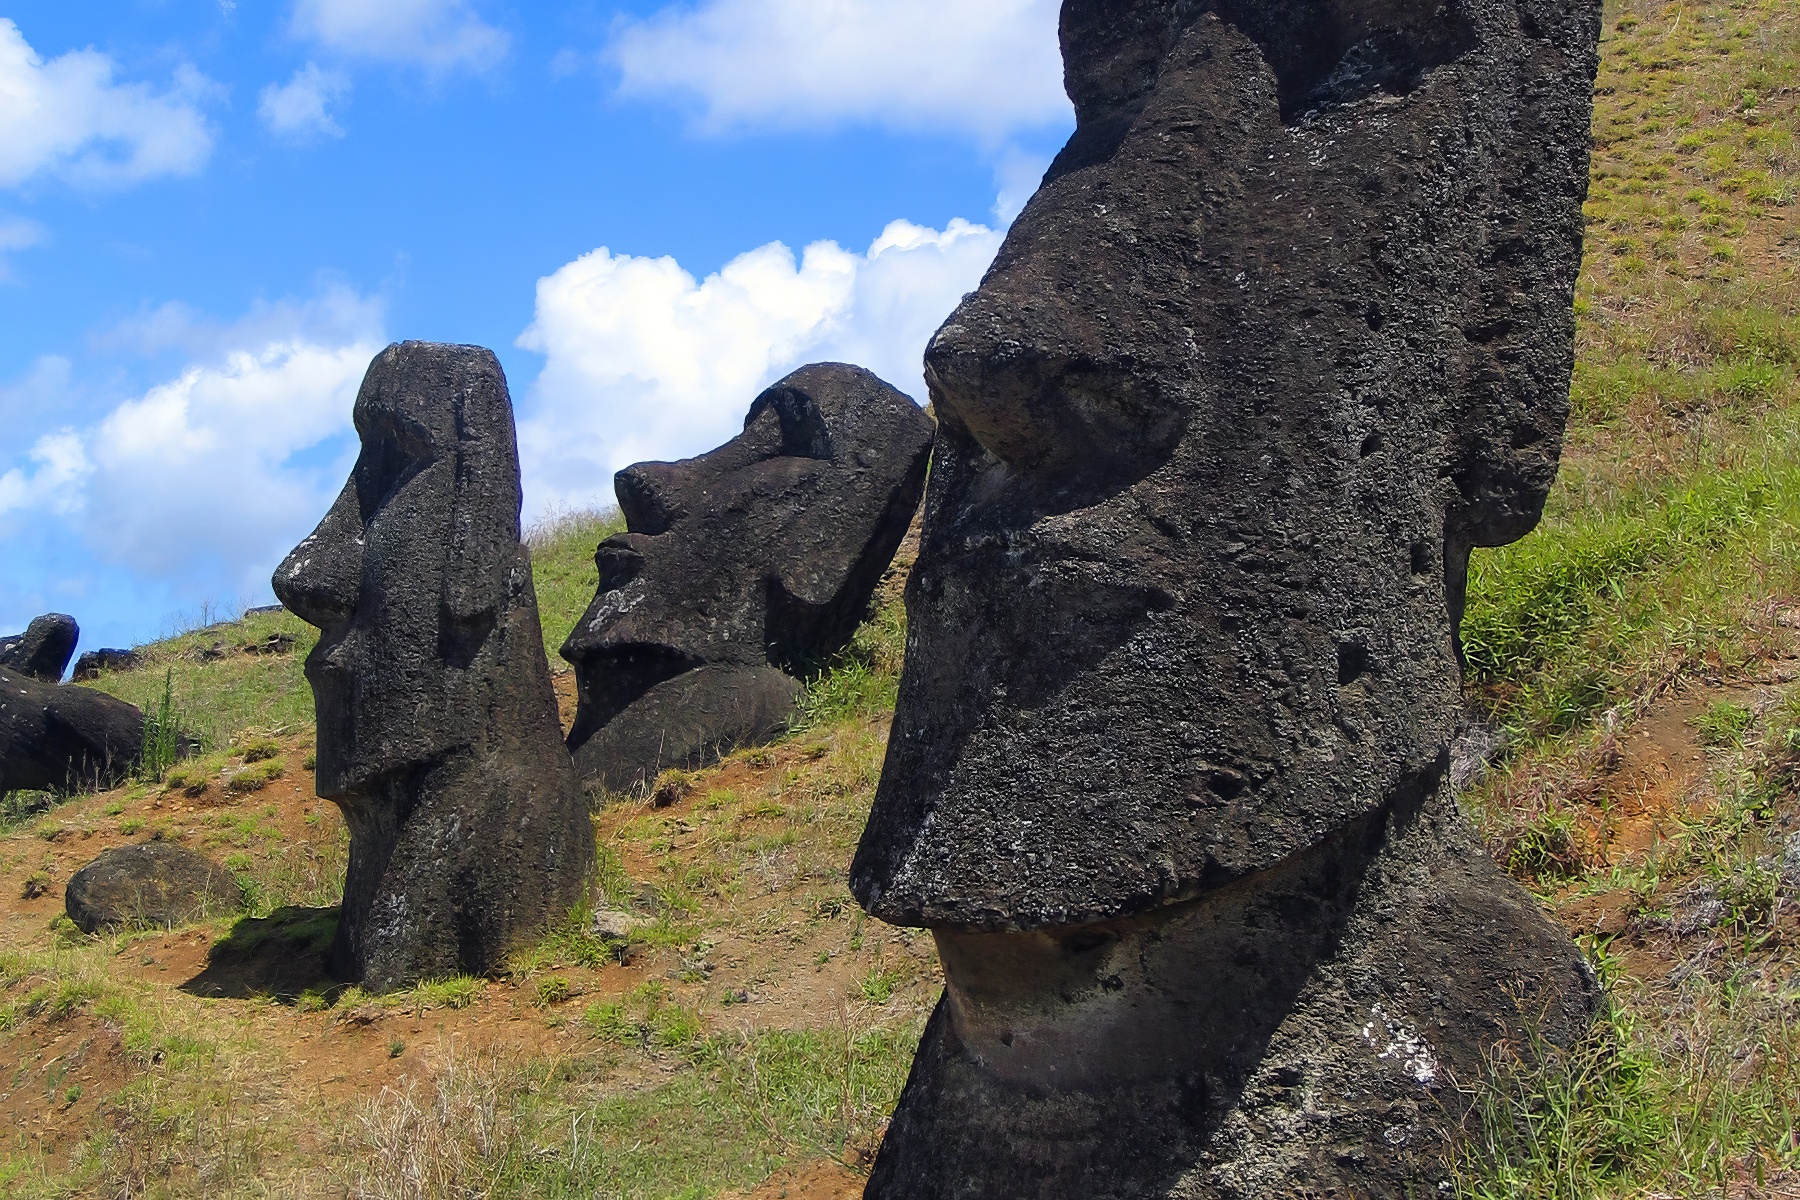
(740, 568)
(1286, 333)
(438, 732)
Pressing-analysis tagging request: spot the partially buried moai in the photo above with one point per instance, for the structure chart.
(438, 731)
(1286, 333)
(740, 569)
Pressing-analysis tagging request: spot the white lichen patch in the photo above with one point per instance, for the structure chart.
(1395, 1040)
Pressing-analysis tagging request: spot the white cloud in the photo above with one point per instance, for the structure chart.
(439, 35)
(300, 108)
(209, 477)
(54, 482)
(988, 68)
(69, 119)
(645, 361)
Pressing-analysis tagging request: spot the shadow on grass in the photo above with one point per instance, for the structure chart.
(281, 956)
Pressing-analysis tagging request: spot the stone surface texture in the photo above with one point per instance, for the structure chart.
(1286, 333)
(740, 568)
(438, 731)
(43, 651)
(149, 885)
(93, 662)
(58, 737)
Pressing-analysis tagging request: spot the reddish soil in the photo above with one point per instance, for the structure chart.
(825, 1180)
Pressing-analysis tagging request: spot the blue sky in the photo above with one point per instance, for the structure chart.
(212, 214)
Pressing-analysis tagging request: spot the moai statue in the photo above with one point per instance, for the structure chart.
(739, 569)
(1285, 334)
(44, 649)
(438, 731)
(56, 736)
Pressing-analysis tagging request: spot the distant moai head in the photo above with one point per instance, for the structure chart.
(1286, 331)
(437, 726)
(740, 568)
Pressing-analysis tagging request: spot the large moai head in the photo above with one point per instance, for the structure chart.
(437, 728)
(1286, 332)
(739, 569)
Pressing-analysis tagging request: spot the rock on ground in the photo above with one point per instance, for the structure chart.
(92, 663)
(739, 570)
(438, 734)
(149, 885)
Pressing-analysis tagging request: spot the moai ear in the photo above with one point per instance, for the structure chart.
(484, 518)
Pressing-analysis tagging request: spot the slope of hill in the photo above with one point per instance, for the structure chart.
(1639, 658)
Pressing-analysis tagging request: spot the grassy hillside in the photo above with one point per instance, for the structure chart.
(1640, 655)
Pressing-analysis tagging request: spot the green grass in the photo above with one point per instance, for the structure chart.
(1705, 1096)
(1627, 581)
(563, 571)
(218, 699)
(1724, 723)
(861, 681)
(732, 1110)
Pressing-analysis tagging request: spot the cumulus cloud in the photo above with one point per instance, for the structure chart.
(210, 476)
(199, 470)
(59, 466)
(68, 118)
(438, 35)
(645, 361)
(301, 107)
(986, 69)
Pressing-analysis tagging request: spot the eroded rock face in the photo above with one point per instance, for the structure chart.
(1286, 333)
(740, 567)
(94, 662)
(44, 649)
(149, 885)
(57, 737)
(438, 733)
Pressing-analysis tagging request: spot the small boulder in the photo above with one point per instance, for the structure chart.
(149, 884)
(91, 664)
(611, 925)
(44, 649)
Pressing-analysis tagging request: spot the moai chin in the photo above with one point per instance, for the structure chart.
(1286, 333)
(739, 569)
(438, 734)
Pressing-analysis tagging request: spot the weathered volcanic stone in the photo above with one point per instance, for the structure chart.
(152, 884)
(438, 731)
(1286, 333)
(740, 568)
(61, 737)
(93, 662)
(44, 649)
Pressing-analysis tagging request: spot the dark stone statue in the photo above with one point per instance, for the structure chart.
(1286, 333)
(93, 663)
(57, 737)
(438, 732)
(43, 651)
(739, 569)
